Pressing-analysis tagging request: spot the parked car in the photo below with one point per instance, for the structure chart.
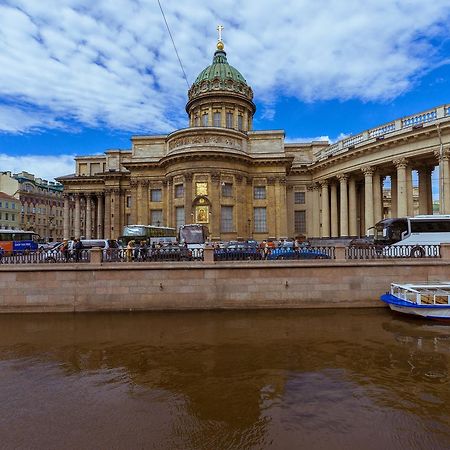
(237, 251)
(290, 253)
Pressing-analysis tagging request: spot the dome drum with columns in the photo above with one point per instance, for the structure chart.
(253, 184)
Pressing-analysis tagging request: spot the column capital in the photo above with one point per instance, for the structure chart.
(281, 180)
(169, 181)
(145, 182)
(271, 181)
(368, 171)
(400, 163)
(442, 155)
(133, 183)
(239, 179)
(289, 187)
(188, 176)
(76, 195)
(324, 183)
(343, 177)
(249, 181)
(115, 190)
(99, 194)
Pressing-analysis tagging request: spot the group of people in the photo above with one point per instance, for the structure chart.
(75, 251)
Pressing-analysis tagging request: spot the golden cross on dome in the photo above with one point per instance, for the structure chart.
(219, 29)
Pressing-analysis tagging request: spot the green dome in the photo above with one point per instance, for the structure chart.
(220, 77)
(220, 69)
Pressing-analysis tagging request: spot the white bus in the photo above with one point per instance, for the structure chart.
(418, 231)
(149, 233)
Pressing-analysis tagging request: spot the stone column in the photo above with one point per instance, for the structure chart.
(424, 189)
(170, 212)
(145, 214)
(188, 199)
(409, 192)
(115, 214)
(444, 181)
(280, 190)
(343, 179)
(88, 200)
(99, 215)
(316, 210)
(107, 222)
(249, 188)
(334, 210)
(210, 117)
(325, 209)
(394, 196)
(352, 219)
(214, 217)
(245, 121)
(223, 117)
(66, 219)
(134, 201)
(402, 201)
(290, 210)
(368, 199)
(377, 197)
(77, 223)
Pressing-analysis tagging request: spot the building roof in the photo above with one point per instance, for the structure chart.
(5, 196)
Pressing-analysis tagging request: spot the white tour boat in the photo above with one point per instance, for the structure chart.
(428, 300)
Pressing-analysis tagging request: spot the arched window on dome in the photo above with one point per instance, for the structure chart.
(217, 119)
(229, 117)
(205, 120)
(196, 121)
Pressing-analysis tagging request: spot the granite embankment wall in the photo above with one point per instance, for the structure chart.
(202, 285)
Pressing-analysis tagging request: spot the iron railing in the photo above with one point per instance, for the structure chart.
(393, 251)
(152, 255)
(48, 257)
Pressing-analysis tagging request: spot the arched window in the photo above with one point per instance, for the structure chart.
(229, 120)
(205, 120)
(240, 123)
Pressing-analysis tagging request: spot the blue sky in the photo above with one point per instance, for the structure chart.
(79, 77)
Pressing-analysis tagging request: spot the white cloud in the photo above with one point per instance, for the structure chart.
(329, 139)
(112, 63)
(44, 166)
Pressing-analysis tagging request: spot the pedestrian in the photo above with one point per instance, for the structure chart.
(78, 249)
(65, 250)
(266, 250)
(129, 253)
(144, 250)
(137, 251)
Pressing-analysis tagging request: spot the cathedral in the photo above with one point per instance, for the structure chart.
(244, 183)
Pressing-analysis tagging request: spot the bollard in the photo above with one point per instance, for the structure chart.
(445, 251)
(208, 254)
(96, 255)
(339, 252)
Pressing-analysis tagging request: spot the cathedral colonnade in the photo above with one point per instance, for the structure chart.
(352, 202)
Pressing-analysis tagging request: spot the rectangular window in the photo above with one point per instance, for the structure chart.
(0, 204)
(156, 195)
(179, 190)
(240, 122)
(205, 120)
(128, 201)
(299, 197)
(259, 192)
(217, 118)
(300, 222)
(227, 190)
(156, 217)
(6, 216)
(179, 213)
(13, 205)
(259, 219)
(13, 217)
(6, 205)
(0, 216)
(226, 219)
(229, 117)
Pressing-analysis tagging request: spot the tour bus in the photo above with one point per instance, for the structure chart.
(150, 233)
(14, 242)
(193, 235)
(418, 231)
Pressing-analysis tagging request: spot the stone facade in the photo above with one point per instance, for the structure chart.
(9, 212)
(252, 184)
(40, 204)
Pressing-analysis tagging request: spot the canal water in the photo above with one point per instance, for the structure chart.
(313, 379)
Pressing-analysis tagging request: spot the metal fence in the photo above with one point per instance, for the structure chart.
(152, 255)
(393, 251)
(48, 257)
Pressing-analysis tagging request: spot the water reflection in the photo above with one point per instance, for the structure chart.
(272, 379)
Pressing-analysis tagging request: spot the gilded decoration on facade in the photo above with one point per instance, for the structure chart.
(201, 188)
(202, 214)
